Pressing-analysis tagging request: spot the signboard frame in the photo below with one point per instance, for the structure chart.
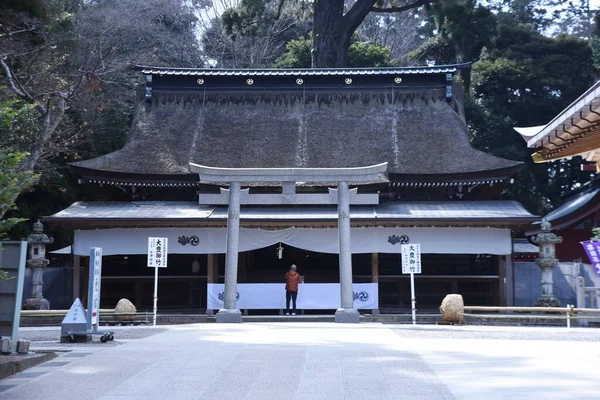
(14, 264)
(158, 248)
(94, 288)
(411, 264)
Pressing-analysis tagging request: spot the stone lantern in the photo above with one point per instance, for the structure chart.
(547, 261)
(37, 262)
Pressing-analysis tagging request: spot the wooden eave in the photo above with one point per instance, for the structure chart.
(106, 223)
(575, 131)
(582, 142)
(89, 176)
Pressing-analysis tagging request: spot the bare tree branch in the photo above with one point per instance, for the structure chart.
(406, 7)
(279, 8)
(356, 15)
(22, 93)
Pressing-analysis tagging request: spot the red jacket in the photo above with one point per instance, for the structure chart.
(291, 281)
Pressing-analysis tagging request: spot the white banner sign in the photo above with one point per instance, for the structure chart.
(311, 296)
(157, 252)
(411, 258)
(363, 240)
(96, 274)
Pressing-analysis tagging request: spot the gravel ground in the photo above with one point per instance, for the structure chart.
(52, 335)
(500, 333)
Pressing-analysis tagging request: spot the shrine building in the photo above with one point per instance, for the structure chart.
(282, 154)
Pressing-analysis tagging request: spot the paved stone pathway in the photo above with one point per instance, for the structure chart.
(319, 361)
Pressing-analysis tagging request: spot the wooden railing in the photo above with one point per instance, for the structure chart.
(568, 313)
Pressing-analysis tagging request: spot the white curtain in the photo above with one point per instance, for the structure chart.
(311, 296)
(363, 240)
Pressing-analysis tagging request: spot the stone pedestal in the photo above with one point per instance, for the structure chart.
(229, 316)
(347, 316)
(36, 304)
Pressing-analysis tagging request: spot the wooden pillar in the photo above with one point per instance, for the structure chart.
(76, 277)
(509, 276)
(212, 272)
(139, 294)
(374, 267)
(212, 268)
(191, 294)
(243, 266)
(86, 279)
(501, 282)
(375, 276)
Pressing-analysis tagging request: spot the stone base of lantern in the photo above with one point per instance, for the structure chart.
(36, 304)
(547, 302)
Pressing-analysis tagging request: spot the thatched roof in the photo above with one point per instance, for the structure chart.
(410, 125)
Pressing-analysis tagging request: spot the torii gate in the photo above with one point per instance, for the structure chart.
(288, 177)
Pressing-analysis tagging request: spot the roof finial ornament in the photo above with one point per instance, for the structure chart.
(38, 227)
(545, 225)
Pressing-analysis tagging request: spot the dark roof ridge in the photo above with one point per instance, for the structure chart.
(302, 71)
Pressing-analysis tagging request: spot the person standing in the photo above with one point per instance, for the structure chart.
(292, 278)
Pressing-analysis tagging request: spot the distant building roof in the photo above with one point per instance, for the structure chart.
(580, 204)
(303, 71)
(299, 118)
(522, 246)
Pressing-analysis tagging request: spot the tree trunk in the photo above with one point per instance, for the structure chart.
(330, 46)
(332, 31)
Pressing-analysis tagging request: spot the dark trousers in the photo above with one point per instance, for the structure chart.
(290, 295)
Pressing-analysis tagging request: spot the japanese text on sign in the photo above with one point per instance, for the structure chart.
(411, 258)
(157, 252)
(97, 275)
(592, 248)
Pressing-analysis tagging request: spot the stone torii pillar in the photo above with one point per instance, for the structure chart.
(347, 312)
(287, 178)
(229, 312)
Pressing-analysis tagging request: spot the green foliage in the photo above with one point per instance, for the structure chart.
(248, 18)
(19, 123)
(520, 77)
(595, 234)
(525, 80)
(468, 26)
(12, 182)
(361, 54)
(297, 54)
(81, 50)
(365, 54)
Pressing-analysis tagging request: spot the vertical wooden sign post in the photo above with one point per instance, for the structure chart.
(157, 258)
(93, 309)
(411, 264)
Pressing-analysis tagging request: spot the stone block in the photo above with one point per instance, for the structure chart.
(453, 308)
(23, 346)
(5, 345)
(36, 304)
(76, 338)
(229, 316)
(347, 316)
(124, 306)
